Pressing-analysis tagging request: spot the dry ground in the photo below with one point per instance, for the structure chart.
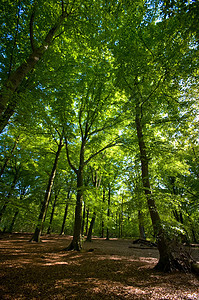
(111, 271)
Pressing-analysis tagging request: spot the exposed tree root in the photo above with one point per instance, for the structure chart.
(74, 246)
(177, 258)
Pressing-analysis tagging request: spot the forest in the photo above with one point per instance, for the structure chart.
(99, 122)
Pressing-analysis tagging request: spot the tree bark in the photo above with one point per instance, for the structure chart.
(89, 236)
(64, 219)
(141, 226)
(83, 219)
(37, 234)
(108, 213)
(52, 214)
(13, 221)
(8, 157)
(102, 223)
(66, 212)
(9, 194)
(87, 216)
(76, 242)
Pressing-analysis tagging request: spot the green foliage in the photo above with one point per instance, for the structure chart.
(106, 59)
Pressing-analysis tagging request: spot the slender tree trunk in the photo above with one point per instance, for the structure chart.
(121, 221)
(102, 223)
(141, 226)
(87, 217)
(8, 157)
(13, 221)
(52, 214)
(83, 219)
(37, 234)
(64, 219)
(108, 212)
(89, 236)
(66, 212)
(9, 194)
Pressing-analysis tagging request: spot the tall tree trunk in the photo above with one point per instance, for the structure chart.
(52, 214)
(87, 217)
(108, 213)
(121, 221)
(141, 226)
(83, 219)
(13, 221)
(102, 223)
(167, 260)
(8, 96)
(89, 236)
(65, 212)
(9, 194)
(64, 219)
(8, 157)
(76, 242)
(37, 234)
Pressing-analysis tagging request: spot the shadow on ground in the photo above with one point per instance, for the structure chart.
(111, 271)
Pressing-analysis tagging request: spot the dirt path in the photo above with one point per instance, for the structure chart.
(111, 271)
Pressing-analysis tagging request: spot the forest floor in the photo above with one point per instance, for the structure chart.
(115, 269)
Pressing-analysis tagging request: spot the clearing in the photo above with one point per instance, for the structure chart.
(112, 269)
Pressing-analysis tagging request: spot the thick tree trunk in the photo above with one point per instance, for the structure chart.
(8, 93)
(168, 259)
(37, 234)
(89, 236)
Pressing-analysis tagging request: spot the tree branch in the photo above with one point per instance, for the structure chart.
(112, 144)
(68, 157)
(31, 31)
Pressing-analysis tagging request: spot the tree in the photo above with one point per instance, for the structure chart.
(8, 96)
(144, 77)
(42, 215)
(91, 126)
